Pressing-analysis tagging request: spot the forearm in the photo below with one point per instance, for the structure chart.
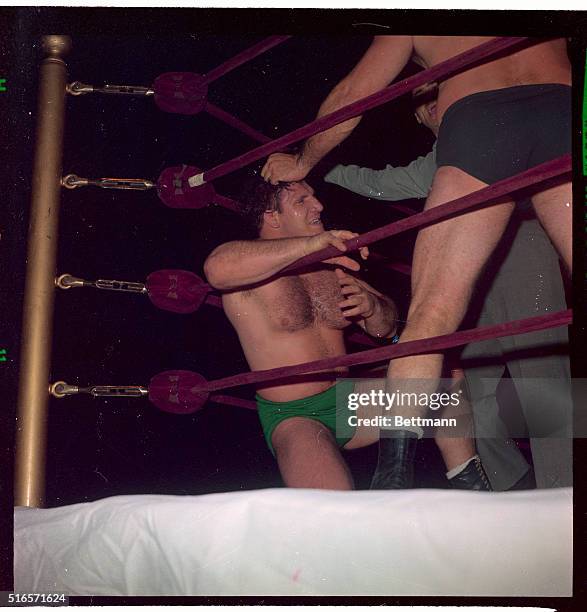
(316, 147)
(245, 262)
(383, 322)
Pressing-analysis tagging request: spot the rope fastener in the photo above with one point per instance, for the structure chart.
(72, 181)
(67, 281)
(61, 389)
(78, 88)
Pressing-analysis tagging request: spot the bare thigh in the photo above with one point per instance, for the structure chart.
(308, 456)
(554, 210)
(450, 255)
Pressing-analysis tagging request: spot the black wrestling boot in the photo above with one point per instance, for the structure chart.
(472, 478)
(395, 465)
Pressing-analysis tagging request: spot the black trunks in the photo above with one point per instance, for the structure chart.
(495, 134)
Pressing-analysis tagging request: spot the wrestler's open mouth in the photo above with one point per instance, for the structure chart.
(432, 109)
(316, 221)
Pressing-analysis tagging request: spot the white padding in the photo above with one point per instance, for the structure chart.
(299, 542)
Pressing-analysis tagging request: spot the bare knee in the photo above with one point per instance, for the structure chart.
(432, 316)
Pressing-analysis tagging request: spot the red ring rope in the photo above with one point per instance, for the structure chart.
(236, 123)
(394, 351)
(436, 73)
(483, 197)
(245, 56)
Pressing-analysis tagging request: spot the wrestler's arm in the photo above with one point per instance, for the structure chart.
(392, 183)
(245, 262)
(382, 62)
(374, 312)
(383, 322)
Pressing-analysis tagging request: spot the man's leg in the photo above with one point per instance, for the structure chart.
(538, 362)
(308, 456)
(544, 387)
(503, 462)
(483, 364)
(455, 451)
(554, 210)
(448, 258)
(457, 445)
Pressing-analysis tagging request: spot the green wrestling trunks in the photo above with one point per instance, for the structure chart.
(321, 407)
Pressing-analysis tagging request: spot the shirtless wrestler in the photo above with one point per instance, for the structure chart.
(497, 120)
(295, 319)
(522, 280)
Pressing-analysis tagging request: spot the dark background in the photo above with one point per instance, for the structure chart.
(103, 447)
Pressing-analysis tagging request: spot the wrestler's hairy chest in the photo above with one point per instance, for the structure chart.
(297, 302)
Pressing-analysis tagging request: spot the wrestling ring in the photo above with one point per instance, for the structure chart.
(58, 550)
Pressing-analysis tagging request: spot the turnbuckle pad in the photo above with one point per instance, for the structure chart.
(174, 191)
(176, 290)
(178, 391)
(181, 92)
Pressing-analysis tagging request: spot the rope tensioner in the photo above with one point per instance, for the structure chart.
(186, 93)
(61, 389)
(77, 88)
(172, 188)
(73, 181)
(67, 281)
(182, 93)
(176, 291)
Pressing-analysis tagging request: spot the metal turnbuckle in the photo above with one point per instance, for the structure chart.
(77, 88)
(62, 389)
(72, 181)
(67, 281)
(114, 285)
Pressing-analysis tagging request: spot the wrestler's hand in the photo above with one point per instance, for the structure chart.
(359, 302)
(337, 239)
(284, 167)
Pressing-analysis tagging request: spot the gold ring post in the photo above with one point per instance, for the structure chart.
(37, 329)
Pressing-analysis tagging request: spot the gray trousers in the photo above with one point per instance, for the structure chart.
(528, 283)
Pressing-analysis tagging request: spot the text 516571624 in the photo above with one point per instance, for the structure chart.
(33, 599)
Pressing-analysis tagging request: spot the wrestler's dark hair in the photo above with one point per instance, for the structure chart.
(257, 197)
